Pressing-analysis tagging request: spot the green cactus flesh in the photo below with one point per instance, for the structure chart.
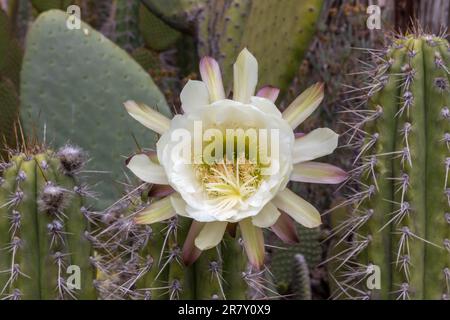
(43, 227)
(220, 29)
(400, 221)
(302, 282)
(75, 82)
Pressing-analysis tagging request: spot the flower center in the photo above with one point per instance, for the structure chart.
(230, 181)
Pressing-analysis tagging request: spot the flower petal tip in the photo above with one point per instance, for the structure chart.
(285, 229)
(317, 172)
(269, 92)
(189, 257)
(212, 77)
(147, 116)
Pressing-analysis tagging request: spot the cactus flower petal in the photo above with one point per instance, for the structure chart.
(190, 252)
(148, 117)
(265, 105)
(245, 76)
(147, 170)
(179, 205)
(305, 104)
(158, 211)
(253, 242)
(318, 143)
(212, 77)
(160, 190)
(267, 217)
(285, 229)
(299, 209)
(317, 172)
(194, 95)
(268, 92)
(210, 235)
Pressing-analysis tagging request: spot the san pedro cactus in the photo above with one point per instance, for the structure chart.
(220, 30)
(146, 262)
(43, 226)
(73, 65)
(400, 223)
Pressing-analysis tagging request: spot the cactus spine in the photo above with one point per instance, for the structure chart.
(42, 226)
(400, 221)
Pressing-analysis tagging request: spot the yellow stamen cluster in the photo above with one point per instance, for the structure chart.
(234, 180)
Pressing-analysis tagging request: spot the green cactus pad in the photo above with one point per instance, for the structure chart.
(302, 282)
(75, 83)
(400, 221)
(278, 33)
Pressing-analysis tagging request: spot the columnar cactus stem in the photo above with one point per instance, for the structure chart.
(43, 227)
(400, 211)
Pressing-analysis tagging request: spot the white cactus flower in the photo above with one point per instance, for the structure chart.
(238, 186)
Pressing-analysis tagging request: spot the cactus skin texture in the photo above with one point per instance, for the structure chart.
(145, 261)
(220, 29)
(42, 226)
(400, 220)
(76, 81)
(302, 284)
